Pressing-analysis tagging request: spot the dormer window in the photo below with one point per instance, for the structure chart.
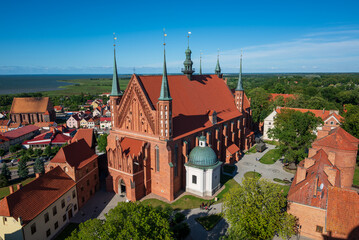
(212, 115)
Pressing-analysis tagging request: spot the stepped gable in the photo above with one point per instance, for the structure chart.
(77, 154)
(29, 105)
(342, 211)
(338, 138)
(35, 197)
(307, 191)
(192, 99)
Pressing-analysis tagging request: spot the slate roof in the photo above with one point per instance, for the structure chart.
(29, 105)
(35, 197)
(77, 154)
(192, 100)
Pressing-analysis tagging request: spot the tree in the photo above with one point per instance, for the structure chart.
(256, 210)
(102, 142)
(22, 170)
(131, 220)
(30, 152)
(259, 104)
(5, 171)
(54, 150)
(3, 181)
(295, 132)
(2, 152)
(351, 120)
(38, 152)
(39, 166)
(47, 150)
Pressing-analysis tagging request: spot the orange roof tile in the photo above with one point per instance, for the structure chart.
(30, 105)
(192, 99)
(273, 96)
(342, 211)
(77, 154)
(4, 122)
(338, 138)
(35, 197)
(20, 131)
(233, 149)
(87, 134)
(131, 146)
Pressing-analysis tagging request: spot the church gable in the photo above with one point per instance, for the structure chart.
(136, 112)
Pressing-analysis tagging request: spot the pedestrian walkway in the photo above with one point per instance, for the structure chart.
(268, 171)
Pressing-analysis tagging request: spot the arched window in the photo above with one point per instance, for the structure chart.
(157, 152)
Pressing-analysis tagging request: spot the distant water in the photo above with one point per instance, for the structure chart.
(10, 84)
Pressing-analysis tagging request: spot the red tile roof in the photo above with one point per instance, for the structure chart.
(30, 105)
(233, 149)
(4, 122)
(338, 138)
(49, 137)
(77, 154)
(86, 134)
(273, 96)
(342, 211)
(131, 146)
(307, 191)
(102, 119)
(192, 99)
(3, 139)
(35, 197)
(323, 114)
(20, 132)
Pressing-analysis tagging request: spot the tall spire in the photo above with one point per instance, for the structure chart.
(165, 91)
(239, 84)
(200, 64)
(188, 70)
(116, 91)
(218, 68)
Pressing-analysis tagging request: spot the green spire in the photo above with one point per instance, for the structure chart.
(218, 68)
(115, 85)
(188, 70)
(165, 91)
(239, 84)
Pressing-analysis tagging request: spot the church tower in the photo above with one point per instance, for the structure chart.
(164, 105)
(116, 94)
(188, 70)
(217, 71)
(239, 92)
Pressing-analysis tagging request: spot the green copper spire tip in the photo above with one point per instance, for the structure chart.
(116, 91)
(165, 90)
(239, 84)
(218, 67)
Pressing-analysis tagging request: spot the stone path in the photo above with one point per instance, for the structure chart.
(268, 171)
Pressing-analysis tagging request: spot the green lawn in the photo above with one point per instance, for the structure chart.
(189, 201)
(252, 174)
(66, 232)
(356, 176)
(270, 157)
(284, 181)
(252, 149)
(92, 86)
(210, 221)
(5, 190)
(285, 189)
(229, 168)
(272, 142)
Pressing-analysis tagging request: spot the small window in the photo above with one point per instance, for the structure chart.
(54, 211)
(319, 229)
(82, 189)
(46, 217)
(48, 232)
(95, 176)
(63, 203)
(332, 123)
(194, 179)
(64, 218)
(88, 182)
(56, 225)
(269, 123)
(73, 194)
(75, 207)
(83, 199)
(33, 228)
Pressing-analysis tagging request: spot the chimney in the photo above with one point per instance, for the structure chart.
(37, 175)
(308, 162)
(331, 173)
(312, 152)
(301, 174)
(323, 110)
(11, 188)
(331, 157)
(19, 186)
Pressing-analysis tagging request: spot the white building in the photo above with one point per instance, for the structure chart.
(203, 170)
(105, 123)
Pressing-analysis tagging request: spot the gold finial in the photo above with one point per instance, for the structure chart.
(164, 37)
(189, 33)
(114, 39)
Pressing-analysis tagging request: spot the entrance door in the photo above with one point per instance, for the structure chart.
(121, 187)
(70, 213)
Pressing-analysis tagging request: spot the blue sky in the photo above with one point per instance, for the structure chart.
(276, 36)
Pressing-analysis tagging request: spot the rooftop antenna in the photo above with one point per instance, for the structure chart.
(189, 33)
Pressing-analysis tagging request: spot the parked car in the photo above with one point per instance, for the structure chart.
(14, 161)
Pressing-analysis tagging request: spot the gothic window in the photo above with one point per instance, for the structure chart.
(157, 152)
(176, 160)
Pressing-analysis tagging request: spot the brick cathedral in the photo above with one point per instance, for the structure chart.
(159, 119)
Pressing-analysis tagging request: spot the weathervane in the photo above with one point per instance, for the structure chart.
(189, 33)
(164, 37)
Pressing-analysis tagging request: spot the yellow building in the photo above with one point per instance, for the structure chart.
(40, 209)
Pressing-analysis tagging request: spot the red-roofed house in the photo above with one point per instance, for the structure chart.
(19, 135)
(157, 122)
(79, 161)
(53, 137)
(320, 180)
(105, 123)
(331, 119)
(59, 109)
(4, 124)
(74, 121)
(40, 209)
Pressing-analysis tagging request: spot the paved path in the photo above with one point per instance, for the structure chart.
(97, 206)
(268, 171)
